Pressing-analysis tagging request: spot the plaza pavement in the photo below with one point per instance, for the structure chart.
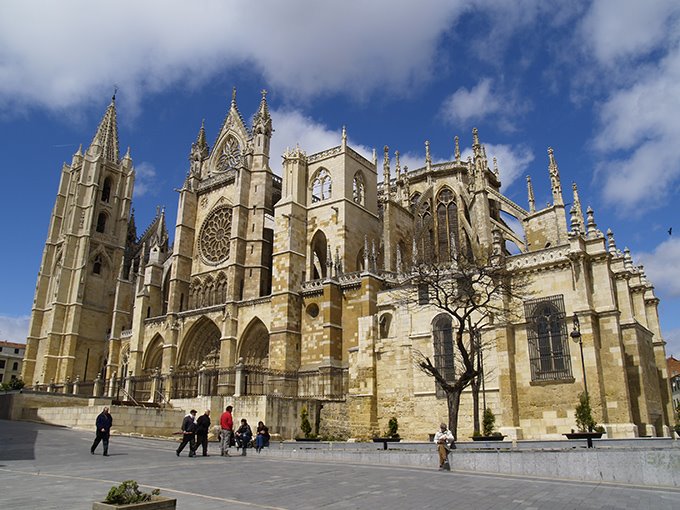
(45, 467)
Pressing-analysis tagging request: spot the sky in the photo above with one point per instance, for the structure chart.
(599, 81)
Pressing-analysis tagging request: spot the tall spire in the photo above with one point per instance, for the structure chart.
(577, 204)
(107, 134)
(555, 183)
(262, 121)
(456, 149)
(530, 192)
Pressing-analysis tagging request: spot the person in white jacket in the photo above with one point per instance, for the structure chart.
(444, 440)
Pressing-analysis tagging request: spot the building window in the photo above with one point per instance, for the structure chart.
(442, 337)
(16, 351)
(2, 363)
(321, 186)
(101, 222)
(548, 339)
(358, 188)
(106, 190)
(447, 224)
(423, 293)
(97, 265)
(15, 365)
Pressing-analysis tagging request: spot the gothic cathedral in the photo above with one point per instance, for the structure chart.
(283, 291)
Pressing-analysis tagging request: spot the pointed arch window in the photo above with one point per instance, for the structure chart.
(359, 189)
(321, 186)
(97, 265)
(425, 233)
(442, 337)
(101, 222)
(106, 189)
(231, 156)
(549, 356)
(447, 224)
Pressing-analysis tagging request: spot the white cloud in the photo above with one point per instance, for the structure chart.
(295, 128)
(661, 267)
(484, 101)
(63, 53)
(513, 160)
(145, 179)
(636, 47)
(14, 329)
(628, 29)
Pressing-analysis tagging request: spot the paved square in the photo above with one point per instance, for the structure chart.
(43, 467)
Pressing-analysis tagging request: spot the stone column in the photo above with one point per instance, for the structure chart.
(238, 390)
(112, 385)
(98, 387)
(76, 385)
(167, 389)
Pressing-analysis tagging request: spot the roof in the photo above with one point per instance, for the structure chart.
(4, 343)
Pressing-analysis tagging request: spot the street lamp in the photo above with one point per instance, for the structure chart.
(576, 337)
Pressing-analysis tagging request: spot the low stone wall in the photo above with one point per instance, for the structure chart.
(658, 467)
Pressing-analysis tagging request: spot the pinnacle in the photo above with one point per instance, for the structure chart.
(107, 134)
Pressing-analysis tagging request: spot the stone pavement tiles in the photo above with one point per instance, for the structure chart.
(44, 467)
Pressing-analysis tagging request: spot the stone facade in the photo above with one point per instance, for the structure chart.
(280, 292)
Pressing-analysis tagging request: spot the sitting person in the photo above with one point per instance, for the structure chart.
(262, 438)
(243, 436)
(444, 439)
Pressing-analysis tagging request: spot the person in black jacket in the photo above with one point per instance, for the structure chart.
(188, 433)
(202, 428)
(103, 424)
(243, 436)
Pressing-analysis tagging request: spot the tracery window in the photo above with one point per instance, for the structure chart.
(321, 186)
(442, 337)
(215, 236)
(425, 233)
(548, 339)
(359, 188)
(447, 224)
(231, 156)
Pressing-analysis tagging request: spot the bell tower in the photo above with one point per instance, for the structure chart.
(83, 256)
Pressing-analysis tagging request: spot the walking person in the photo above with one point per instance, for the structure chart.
(444, 440)
(226, 431)
(188, 433)
(202, 428)
(243, 436)
(103, 424)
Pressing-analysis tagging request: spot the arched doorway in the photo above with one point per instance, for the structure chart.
(202, 343)
(254, 356)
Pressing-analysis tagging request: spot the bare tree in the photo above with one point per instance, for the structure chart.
(476, 293)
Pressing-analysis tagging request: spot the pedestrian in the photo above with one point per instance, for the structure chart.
(103, 424)
(202, 428)
(188, 433)
(262, 437)
(243, 436)
(226, 431)
(444, 440)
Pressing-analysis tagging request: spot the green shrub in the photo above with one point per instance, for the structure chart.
(488, 422)
(127, 493)
(304, 423)
(584, 414)
(14, 384)
(392, 428)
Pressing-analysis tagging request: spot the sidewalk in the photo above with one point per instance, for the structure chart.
(44, 467)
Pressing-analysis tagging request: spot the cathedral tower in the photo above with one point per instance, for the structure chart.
(83, 256)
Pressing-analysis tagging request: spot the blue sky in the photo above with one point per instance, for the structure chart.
(597, 81)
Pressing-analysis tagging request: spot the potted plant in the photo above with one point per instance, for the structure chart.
(488, 423)
(128, 495)
(586, 424)
(391, 434)
(306, 427)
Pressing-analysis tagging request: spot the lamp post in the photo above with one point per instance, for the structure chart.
(576, 337)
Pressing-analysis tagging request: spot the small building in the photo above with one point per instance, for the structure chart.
(674, 379)
(11, 356)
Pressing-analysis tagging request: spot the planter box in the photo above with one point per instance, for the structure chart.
(584, 435)
(386, 439)
(309, 439)
(488, 438)
(156, 503)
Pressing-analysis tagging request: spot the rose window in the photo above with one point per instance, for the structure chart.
(215, 236)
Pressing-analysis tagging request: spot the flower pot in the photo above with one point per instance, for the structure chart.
(488, 438)
(588, 436)
(386, 439)
(308, 439)
(156, 503)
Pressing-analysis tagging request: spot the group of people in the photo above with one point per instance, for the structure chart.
(241, 437)
(195, 433)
